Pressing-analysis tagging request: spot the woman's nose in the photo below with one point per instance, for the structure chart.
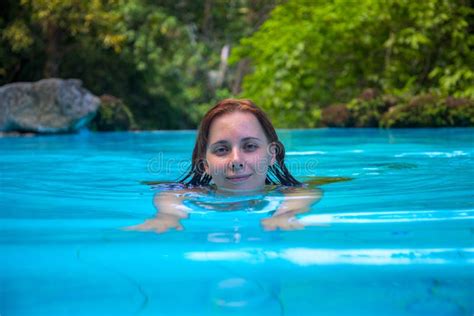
(236, 162)
(237, 166)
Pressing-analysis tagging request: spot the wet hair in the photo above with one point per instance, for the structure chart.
(276, 174)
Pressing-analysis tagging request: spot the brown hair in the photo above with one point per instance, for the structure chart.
(277, 174)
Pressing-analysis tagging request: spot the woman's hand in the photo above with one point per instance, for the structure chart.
(286, 221)
(160, 224)
(297, 201)
(169, 213)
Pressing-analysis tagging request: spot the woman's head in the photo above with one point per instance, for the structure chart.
(238, 148)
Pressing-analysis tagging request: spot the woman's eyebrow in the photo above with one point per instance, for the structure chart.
(250, 138)
(225, 142)
(220, 142)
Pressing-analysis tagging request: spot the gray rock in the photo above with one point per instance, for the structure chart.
(46, 106)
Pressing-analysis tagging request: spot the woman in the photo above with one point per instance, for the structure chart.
(237, 152)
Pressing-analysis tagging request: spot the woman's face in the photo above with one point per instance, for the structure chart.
(238, 153)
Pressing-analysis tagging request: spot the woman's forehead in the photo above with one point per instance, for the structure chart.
(235, 124)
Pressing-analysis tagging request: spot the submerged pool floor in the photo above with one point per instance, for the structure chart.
(397, 238)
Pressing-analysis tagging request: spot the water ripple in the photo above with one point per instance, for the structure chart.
(313, 256)
(387, 217)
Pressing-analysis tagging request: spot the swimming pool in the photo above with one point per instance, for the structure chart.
(397, 238)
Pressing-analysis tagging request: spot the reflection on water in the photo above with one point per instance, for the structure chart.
(308, 256)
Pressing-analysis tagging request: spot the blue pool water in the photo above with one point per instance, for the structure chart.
(395, 239)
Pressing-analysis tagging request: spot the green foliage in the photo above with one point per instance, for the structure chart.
(157, 56)
(371, 109)
(336, 115)
(166, 63)
(310, 54)
(430, 111)
(76, 18)
(113, 115)
(161, 57)
(421, 111)
(18, 35)
(366, 112)
(460, 112)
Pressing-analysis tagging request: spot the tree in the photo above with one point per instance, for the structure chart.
(310, 54)
(158, 56)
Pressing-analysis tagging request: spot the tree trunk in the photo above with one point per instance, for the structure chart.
(243, 68)
(207, 20)
(53, 52)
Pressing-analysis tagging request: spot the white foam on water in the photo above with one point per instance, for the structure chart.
(434, 154)
(385, 217)
(314, 256)
(304, 153)
(308, 256)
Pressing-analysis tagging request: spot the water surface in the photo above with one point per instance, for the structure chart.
(396, 239)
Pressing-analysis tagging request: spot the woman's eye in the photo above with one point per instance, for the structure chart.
(250, 147)
(220, 150)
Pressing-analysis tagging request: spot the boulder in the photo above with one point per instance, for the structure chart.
(46, 106)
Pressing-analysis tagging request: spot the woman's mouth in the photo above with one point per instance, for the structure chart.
(238, 179)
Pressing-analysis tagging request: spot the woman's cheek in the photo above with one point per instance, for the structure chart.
(220, 166)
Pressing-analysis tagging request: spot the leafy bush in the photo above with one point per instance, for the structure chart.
(460, 112)
(113, 115)
(420, 111)
(336, 115)
(368, 108)
(363, 111)
(310, 54)
(424, 110)
(430, 110)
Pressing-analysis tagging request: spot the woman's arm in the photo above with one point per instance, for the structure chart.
(170, 211)
(297, 201)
